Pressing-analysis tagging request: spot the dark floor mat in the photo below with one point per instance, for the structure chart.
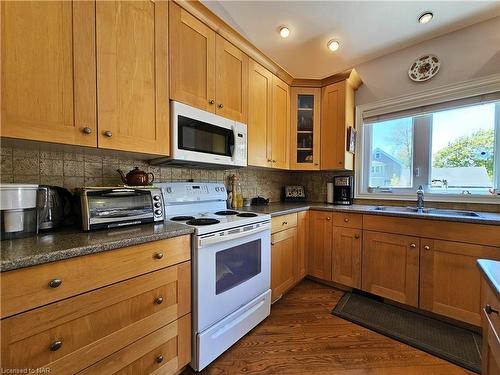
(454, 344)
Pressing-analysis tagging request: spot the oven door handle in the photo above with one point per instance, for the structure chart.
(210, 239)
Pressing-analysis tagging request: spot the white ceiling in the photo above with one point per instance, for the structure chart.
(366, 29)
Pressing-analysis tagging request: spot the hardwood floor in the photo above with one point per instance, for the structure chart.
(302, 337)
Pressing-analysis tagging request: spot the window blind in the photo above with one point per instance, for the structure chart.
(381, 114)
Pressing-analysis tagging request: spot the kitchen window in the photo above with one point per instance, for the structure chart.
(451, 148)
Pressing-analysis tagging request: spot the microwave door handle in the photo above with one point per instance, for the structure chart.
(232, 141)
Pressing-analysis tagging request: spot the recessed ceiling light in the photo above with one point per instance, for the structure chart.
(333, 45)
(284, 32)
(425, 17)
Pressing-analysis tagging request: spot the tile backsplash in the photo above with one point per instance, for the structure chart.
(71, 170)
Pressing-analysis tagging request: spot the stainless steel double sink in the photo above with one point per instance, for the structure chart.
(427, 211)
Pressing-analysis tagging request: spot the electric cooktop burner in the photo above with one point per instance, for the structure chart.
(247, 214)
(203, 221)
(182, 218)
(226, 213)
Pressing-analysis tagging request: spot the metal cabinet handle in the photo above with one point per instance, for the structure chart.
(269, 160)
(328, 218)
(211, 101)
(159, 359)
(284, 223)
(427, 247)
(272, 243)
(87, 130)
(489, 310)
(108, 133)
(158, 255)
(346, 220)
(412, 245)
(56, 345)
(221, 105)
(159, 300)
(316, 164)
(274, 161)
(54, 283)
(356, 236)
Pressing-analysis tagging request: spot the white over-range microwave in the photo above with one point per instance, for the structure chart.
(200, 138)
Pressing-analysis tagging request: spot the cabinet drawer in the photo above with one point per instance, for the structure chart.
(164, 351)
(347, 220)
(283, 222)
(28, 288)
(489, 298)
(96, 324)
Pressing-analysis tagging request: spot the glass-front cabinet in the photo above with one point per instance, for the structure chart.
(305, 137)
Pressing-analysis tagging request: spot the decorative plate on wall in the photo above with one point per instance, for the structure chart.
(424, 68)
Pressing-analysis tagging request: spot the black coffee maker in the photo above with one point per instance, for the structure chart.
(343, 190)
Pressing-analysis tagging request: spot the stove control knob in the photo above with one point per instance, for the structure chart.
(216, 189)
(157, 204)
(222, 189)
(156, 197)
(169, 190)
(158, 212)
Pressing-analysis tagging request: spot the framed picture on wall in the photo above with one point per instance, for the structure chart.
(351, 140)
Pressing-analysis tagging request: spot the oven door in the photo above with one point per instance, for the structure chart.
(230, 273)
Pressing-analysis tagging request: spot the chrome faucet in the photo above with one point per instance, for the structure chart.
(420, 198)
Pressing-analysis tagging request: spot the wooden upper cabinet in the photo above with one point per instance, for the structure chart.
(390, 266)
(260, 92)
(320, 244)
(132, 76)
(192, 60)
(450, 279)
(346, 256)
(48, 71)
(280, 124)
(305, 128)
(337, 115)
(231, 84)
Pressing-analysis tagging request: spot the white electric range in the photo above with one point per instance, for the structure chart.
(230, 262)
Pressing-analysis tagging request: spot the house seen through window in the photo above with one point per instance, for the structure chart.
(447, 150)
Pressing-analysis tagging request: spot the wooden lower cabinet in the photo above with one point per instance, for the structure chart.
(134, 294)
(302, 244)
(450, 279)
(490, 322)
(320, 244)
(283, 261)
(346, 256)
(391, 266)
(164, 351)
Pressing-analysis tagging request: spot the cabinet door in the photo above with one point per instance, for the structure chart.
(48, 71)
(337, 109)
(192, 60)
(132, 87)
(390, 266)
(320, 244)
(232, 81)
(450, 279)
(305, 128)
(280, 124)
(260, 91)
(346, 256)
(283, 260)
(302, 244)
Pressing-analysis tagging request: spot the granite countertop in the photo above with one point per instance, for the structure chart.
(70, 243)
(491, 271)
(281, 208)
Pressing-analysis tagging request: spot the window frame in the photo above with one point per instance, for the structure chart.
(442, 94)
